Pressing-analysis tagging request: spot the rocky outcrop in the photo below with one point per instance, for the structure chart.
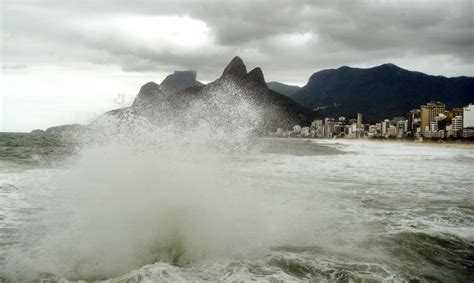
(254, 80)
(152, 93)
(178, 81)
(235, 70)
(149, 93)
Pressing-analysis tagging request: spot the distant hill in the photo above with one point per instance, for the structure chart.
(283, 88)
(380, 92)
(64, 129)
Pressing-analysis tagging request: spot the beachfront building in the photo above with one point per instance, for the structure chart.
(392, 131)
(402, 128)
(454, 112)
(317, 126)
(328, 127)
(468, 121)
(305, 131)
(297, 129)
(468, 116)
(414, 121)
(427, 114)
(385, 126)
(456, 125)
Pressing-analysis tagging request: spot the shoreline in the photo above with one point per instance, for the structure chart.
(439, 144)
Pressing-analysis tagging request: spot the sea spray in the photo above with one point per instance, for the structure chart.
(144, 190)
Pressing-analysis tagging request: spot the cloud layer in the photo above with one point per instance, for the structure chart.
(284, 36)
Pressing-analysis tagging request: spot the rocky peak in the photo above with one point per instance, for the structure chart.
(255, 78)
(149, 87)
(235, 69)
(148, 93)
(179, 80)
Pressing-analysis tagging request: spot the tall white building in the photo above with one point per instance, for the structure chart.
(402, 127)
(385, 126)
(468, 116)
(359, 121)
(328, 127)
(456, 123)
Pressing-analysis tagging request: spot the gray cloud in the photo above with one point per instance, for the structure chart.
(264, 33)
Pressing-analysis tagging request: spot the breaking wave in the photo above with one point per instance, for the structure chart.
(142, 191)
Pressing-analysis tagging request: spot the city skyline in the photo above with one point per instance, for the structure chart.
(431, 121)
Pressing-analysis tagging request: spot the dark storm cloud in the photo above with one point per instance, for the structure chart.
(288, 38)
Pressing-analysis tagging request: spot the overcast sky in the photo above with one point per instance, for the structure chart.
(68, 61)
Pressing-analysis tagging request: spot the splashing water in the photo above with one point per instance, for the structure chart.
(141, 192)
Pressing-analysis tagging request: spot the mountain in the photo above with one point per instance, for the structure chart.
(283, 88)
(152, 92)
(277, 109)
(169, 102)
(380, 92)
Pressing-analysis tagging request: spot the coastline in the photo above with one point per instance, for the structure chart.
(439, 144)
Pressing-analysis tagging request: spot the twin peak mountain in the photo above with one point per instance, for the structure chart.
(178, 90)
(179, 81)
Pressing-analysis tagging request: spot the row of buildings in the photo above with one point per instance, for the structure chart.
(430, 121)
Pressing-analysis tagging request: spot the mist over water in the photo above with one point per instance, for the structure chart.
(198, 196)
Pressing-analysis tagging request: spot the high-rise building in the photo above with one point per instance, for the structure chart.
(328, 127)
(428, 112)
(359, 121)
(385, 126)
(456, 125)
(413, 120)
(401, 128)
(468, 116)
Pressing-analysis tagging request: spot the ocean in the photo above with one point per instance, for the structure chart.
(267, 210)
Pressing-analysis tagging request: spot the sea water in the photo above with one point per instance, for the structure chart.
(174, 208)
